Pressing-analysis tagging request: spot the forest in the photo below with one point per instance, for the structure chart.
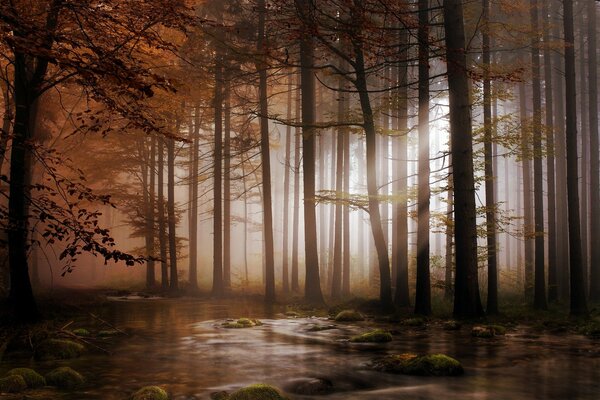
(298, 199)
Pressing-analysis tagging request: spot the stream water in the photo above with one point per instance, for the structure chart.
(182, 346)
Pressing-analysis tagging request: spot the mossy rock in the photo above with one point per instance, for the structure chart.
(32, 378)
(58, 349)
(417, 321)
(376, 336)
(292, 314)
(222, 395)
(349, 316)
(412, 364)
(242, 323)
(108, 333)
(452, 325)
(257, 392)
(65, 378)
(488, 331)
(150, 393)
(12, 384)
(319, 328)
(81, 332)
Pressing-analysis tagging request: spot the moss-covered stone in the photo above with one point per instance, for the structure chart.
(376, 336)
(222, 395)
(32, 378)
(319, 328)
(242, 323)
(12, 384)
(428, 365)
(257, 392)
(349, 316)
(484, 332)
(65, 378)
(451, 325)
(488, 331)
(81, 332)
(150, 393)
(58, 349)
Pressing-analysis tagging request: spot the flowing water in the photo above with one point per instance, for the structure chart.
(182, 346)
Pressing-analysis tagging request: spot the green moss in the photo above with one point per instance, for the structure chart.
(108, 333)
(12, 384)
(150, 393)
(498, 329)
(428, 365)
(257, 392)
(452, 325)
(482, 332)
(222, 395)
(58, 349)
(81, 332)
(32, 378)
(591, 329)
(349, 316)
(242, 323)
(417, 321)
(65, 378)
(319, 328)
(376, 336)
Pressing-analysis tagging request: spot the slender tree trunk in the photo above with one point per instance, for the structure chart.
(265, 154)
(227, 189)
(539, 298)
(7, 120)
(400, 247)
(578, 298)
(148, 195)
(336, 281)
(173, 279)
(193, 273)
(593, 155)
(423, 294)
(448, 292)
(218, 286)
(312, 288)
(490, 201)
(467, 301)
(346, 209)
(385, 287)
(162, 225)
(548, 93)
(286, 192)
(296, 216)
(528, 224)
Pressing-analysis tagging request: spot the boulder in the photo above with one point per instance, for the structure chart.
(349, 316)
(376, 336)
(32, 378)
(65, 378)
(150, 393)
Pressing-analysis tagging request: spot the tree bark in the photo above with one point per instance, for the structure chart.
(286, 192)
(162, 225)
(173, 278)
(227, 188)
(193, 273)
(296, 216)
(217, 286)
(467, 301)
(528, 224)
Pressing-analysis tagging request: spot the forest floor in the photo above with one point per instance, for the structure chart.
(113, 329)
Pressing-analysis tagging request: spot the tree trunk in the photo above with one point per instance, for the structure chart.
(312, 290)
(296, 216)
(193, 273)
(173, 279)
(528, 224)
(265, 154)
(7, 120)
(449, 259)
(162, 225)
(578, 299)
(217, 286)
(490, 203)
(593, 155)
(423, 293)
(346, 209)
(227, 189)
(286, 192)
(467, 301)
(548, 93)
(336, 279)
(148, 184)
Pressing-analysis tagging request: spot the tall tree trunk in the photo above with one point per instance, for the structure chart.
(218, 286)
(423, 294)
(385, 287)
(7, 120)
(400, 247)
(296, 216)
(528, 224)
(162, 225)
(173, 278)
(346, 209)
(548, 94)
(286, 191)
(148, 183)
(467, 301)
(593, 155)
(336, 281)
(539, 297)
(265, 154)
(490, 201)
(585, 144)
(449, 259)
(193, 273)
(227, 188)
(578, 298)
(312, 290)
